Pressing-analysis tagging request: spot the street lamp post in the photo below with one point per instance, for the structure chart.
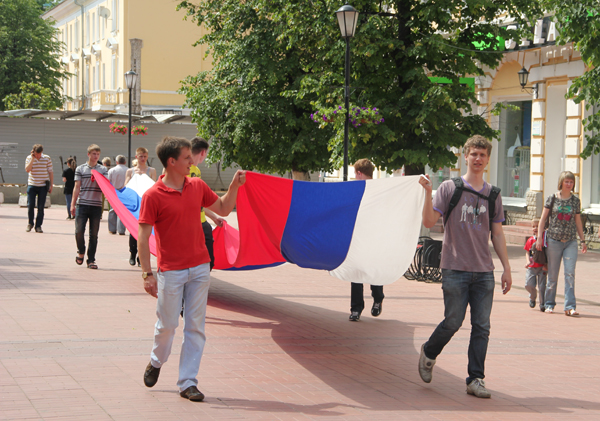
(130, 80)
(347, 18)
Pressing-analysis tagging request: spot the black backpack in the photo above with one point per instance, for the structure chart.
(460, 188)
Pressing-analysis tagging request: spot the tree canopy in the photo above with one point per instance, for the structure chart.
(580, 24)
(29, 51)
(277, 62)
(32, 96)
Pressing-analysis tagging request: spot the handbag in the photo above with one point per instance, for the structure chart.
(540, 256)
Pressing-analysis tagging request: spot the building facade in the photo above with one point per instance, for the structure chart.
(541, 131)
(103, 39)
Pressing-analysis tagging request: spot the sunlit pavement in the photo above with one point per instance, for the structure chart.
(74, 343)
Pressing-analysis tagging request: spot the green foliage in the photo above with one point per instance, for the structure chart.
(580, 24)
(28, 50)
(277, 61)
(32, 96)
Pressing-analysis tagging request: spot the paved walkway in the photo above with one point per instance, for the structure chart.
(74, 343)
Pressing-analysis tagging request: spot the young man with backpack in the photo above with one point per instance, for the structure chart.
(467, 267)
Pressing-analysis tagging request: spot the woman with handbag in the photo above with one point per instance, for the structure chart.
(562, 210)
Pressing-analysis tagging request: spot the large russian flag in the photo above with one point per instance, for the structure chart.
(359, 231)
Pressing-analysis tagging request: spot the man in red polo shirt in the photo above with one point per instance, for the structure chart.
(173, 206)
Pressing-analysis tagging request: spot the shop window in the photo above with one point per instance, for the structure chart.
(514, 149)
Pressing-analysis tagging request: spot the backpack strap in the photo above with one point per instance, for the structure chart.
(459, 187)
(458, 191)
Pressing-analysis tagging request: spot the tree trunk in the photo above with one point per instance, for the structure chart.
(414, 169)
(301, 175)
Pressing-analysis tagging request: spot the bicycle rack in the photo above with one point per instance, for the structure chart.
(426, 262)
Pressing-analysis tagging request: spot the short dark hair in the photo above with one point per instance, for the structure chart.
(199, 145)
(364, 166)
(170, 147)
(37, 148)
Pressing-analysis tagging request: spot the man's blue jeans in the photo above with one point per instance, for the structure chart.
(190, 285)
(83, 213)
(40, 192)
(567, 251)
(475, 289)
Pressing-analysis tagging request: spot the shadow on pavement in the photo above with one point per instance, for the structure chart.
(353, 358)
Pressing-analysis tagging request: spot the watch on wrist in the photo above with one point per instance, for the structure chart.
(146, 274)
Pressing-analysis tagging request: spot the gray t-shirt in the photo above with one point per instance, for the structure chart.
(90, 193)
(467, 230)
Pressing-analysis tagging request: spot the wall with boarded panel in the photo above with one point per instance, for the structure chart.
(71, 138)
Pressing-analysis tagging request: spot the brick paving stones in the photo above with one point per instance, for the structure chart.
(74, 343)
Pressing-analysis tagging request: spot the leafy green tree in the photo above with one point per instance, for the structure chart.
(579, 23)
(32, 96)
(292, 53)
(239, 103)
(28, 49)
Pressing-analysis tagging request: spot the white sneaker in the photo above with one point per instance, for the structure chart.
(425, 366)
(477, 388)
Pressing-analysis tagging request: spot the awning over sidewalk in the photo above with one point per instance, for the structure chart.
(89, 115)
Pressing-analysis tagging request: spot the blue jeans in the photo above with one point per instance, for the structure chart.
(191, 286)
(83, 213)
(41, 193)
(475, 289)
(68, 198)
(568, 252)
(536, 277)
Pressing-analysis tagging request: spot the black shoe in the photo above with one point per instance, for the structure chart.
(132, 260)
(532, 303)
(354, 316)
(138, 262)
(376, 309)
(192, 393)
(38, 229)
(151, 375)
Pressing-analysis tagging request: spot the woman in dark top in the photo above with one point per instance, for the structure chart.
(562, 210)
(68, 177)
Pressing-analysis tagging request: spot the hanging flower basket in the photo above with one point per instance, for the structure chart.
(358, 116)
(139, 130)
(118, 128)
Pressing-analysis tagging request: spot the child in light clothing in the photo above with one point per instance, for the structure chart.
(536, 273)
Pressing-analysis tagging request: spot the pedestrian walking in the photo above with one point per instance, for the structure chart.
(536, 273)
(116, 176)
(466, 263)
(363, 170)
(68, 177)
(199, 152)
(87, 206)
(39, 185)
(140, 166)
(172, 206)
(562, 210)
